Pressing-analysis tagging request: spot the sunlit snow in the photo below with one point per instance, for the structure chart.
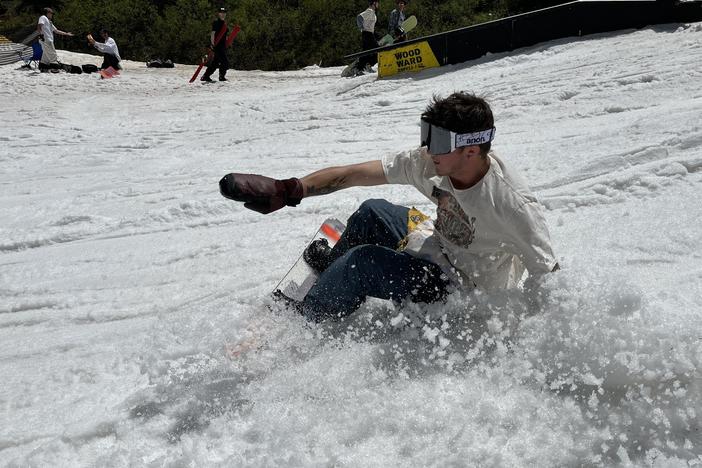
(135, 323)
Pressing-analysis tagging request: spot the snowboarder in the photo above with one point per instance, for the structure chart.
(46, 31)
(108, 47)
(397, 16)
(366, 24)
(218, 44)
(489, 227)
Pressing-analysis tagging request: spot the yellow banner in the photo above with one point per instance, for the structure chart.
(414, 57)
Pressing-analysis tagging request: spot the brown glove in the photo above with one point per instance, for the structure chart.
(261, 193)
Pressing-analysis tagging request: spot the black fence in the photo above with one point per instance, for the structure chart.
(568, 20)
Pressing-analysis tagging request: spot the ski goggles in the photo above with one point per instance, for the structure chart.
(441, 141)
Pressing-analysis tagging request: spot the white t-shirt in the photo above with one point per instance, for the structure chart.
(483, 236)
(47, 28)
(108, 47)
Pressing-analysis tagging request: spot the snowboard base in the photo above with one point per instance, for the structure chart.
(351, 70)
(298, 281)
(107, 73)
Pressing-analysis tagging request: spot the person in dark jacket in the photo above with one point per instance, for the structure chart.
(397, 17)
(218, 43)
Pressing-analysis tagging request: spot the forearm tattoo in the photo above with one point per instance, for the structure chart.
(337, 183)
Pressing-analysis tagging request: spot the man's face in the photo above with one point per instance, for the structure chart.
(450, 163)
(401, 6)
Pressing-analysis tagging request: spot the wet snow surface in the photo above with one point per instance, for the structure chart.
(135, 327)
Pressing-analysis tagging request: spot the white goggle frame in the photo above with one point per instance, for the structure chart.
(438, 140)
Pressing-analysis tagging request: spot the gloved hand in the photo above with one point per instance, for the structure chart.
(261, 193)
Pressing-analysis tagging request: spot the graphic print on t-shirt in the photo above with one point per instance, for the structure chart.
(451, 221)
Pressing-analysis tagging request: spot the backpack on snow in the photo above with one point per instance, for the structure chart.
(71, 69)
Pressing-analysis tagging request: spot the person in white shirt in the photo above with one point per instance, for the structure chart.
(365, 21)
(108, 47)
(46, 31)
(489, 227)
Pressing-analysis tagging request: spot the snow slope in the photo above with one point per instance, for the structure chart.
(135, 328)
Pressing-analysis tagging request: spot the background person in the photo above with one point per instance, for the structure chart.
(46, 30)
(218, 43)
(395, 20)
(366, 23)
(108, 47)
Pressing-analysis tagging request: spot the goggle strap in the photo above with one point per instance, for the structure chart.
(475, 138)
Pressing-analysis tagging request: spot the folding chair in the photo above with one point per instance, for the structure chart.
(34, 57)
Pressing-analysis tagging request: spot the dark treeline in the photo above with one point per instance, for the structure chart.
(275, 34)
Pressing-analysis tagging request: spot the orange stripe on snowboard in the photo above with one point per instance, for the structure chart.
(330, 232)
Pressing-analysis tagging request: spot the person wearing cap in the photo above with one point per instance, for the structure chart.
(365, 21)
(489, 227)
(108, 47)
(218, 44)
(395, 20)
(46, 30)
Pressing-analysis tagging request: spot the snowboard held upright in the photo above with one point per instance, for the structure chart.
(205, 59)
(406, 26)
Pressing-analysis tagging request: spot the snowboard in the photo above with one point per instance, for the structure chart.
(203, 60)
(351, 70)
(407, 25)
(232, 35)
(301, 277)
(108, 72)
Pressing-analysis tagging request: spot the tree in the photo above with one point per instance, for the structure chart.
(275, 35)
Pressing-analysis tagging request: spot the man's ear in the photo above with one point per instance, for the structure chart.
(469, 151)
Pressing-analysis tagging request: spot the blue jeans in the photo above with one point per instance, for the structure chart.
(367, 264)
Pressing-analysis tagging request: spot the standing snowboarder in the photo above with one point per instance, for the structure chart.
(366, 23)
(396, 18)
(489, 227)
(46, 30)
(218, 44)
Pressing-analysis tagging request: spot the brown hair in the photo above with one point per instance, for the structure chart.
(461, 112)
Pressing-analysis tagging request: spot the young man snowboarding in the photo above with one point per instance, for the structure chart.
(218, 43)
(366, 24)
(489, 228)
(46, 31)
(108, 47)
